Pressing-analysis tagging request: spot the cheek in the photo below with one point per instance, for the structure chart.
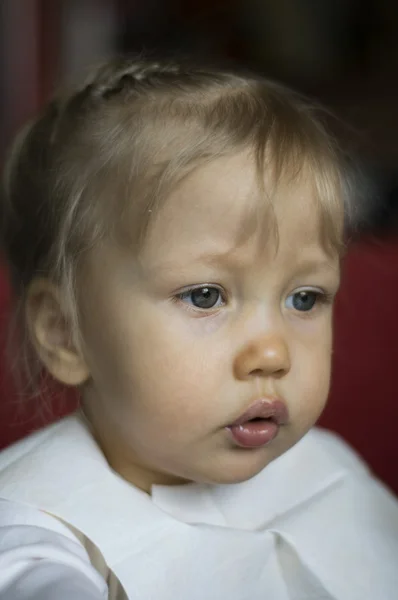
(160, 372)
(313, 369)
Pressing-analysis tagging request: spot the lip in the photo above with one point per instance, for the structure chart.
(264, 408)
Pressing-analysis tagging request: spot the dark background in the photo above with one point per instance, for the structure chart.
(341, 52)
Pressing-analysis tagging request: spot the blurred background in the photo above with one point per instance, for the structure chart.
(341, 52)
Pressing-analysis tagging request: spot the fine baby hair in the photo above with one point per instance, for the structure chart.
(102, 157)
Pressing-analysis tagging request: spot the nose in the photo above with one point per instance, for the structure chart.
(265, 356)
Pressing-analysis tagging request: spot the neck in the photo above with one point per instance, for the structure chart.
(120, 458)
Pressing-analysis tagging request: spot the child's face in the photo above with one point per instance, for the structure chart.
(172, 368)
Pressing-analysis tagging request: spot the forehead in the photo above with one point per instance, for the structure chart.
(223, 207)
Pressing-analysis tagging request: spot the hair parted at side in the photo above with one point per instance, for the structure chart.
(107, 153)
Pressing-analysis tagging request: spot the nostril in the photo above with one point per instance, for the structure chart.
(279, 373)
(261, 372)
(257, 372)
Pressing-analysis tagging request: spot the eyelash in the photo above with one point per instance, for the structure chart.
(180, 297)
(322, 298)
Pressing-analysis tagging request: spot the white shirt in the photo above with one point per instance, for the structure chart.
(313, 525)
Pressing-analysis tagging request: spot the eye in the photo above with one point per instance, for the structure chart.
(205, 297)
(304, 300)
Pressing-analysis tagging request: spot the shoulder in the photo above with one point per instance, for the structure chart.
(351, 524)
(37, 551)
(330, 450)
(43, 469)
(347, 487)
(36, 440)
(21, 519)
(323, 471)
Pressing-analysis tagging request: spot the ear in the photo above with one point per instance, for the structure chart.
(52, 335)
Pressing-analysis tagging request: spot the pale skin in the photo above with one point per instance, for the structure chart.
(162, 377)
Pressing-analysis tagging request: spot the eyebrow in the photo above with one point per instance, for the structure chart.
(225, 259)
(320, 264)
(216, 258)
(220, 258)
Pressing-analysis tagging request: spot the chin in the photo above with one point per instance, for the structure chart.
(239, 466)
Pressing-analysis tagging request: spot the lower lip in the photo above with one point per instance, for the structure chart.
(254, 434)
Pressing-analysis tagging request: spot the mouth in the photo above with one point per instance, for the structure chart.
(260, 424)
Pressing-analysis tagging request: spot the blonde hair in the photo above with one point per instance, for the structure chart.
(109, 152)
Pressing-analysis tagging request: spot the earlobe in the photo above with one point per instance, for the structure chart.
(52, 335)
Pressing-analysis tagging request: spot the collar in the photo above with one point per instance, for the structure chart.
(286, 485)
(46, 470)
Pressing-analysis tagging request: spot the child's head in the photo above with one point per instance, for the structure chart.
(174, 234)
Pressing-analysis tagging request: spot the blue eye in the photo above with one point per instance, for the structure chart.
(303, 301)
(205, 297)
